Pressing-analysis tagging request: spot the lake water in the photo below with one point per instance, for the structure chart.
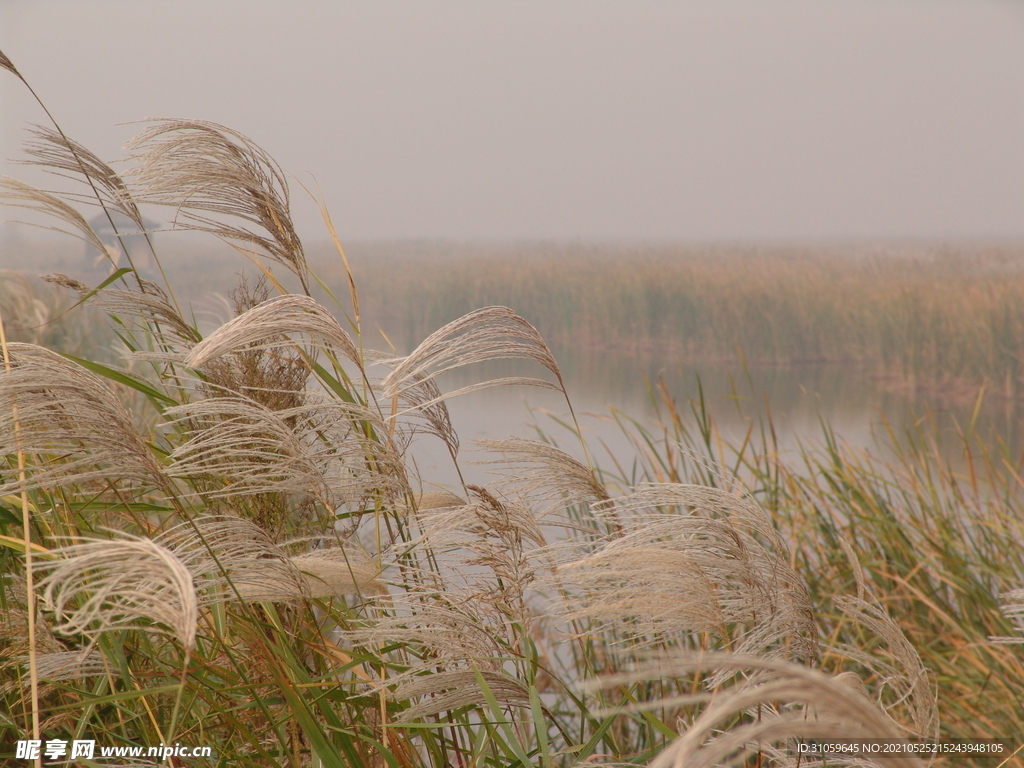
(855, 405)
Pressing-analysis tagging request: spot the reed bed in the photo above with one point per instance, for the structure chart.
(938, 547)
(934, 316)
(936, 319)
(223, 541)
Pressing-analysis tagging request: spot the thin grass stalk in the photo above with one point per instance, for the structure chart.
(70, 145)
(30, 605)
(7, 64)
(179, 695)
(329, 223)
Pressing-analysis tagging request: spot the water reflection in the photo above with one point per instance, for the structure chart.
(860, 409)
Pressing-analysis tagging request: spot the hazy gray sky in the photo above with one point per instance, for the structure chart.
(721, 119)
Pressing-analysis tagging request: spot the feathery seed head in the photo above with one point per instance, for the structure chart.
(99, 586)
(230, 557)
(492, 333)
(207, 172)
(339, 571)
(71, 421)
(687, 559)
(6, 63)
(789, 701)
(18, 194)
(455, 689)
(269, 325)
(67, 158)
(1013, 609)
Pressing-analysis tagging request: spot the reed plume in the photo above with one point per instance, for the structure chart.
(22, 311)
(442, 630)
(334, 571)
(6, 63)
(70, 665)
(72, 422)
(21, 195)
(68, 159)
(105, 585)
(209, 173)
(545, 476)
(315, 450)
(457, 689)
(230, 558)
(912, 684)
(688, 559)
(153, 308)
(778, 701)
(1013, 609)
(268, 326)
(492, 333)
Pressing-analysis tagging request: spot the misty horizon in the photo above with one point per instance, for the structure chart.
(736, 121)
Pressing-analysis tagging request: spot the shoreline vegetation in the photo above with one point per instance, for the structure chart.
(223, 540)
(934, 318)
(942, 320)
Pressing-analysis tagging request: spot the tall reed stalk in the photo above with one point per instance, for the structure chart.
(30, 604)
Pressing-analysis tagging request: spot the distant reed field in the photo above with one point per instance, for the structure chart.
(221, 538)
(929, 315)
(941, 319)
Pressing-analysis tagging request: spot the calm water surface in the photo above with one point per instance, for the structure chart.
(798, 398)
